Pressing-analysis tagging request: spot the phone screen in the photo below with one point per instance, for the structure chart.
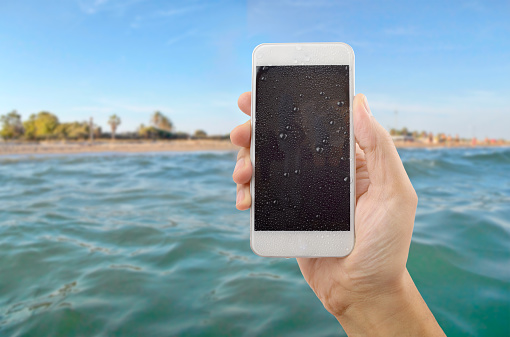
(302, 148)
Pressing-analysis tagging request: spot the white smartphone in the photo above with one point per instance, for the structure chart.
(302, 150)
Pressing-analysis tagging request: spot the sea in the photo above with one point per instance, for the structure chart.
(152, 245)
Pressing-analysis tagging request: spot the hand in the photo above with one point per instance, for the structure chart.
(371, 284)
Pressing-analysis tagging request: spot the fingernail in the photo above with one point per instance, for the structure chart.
(365, 104)
(240, 196)
(239, 164)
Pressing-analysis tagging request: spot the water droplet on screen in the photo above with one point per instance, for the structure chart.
(283, 136)
(301, 95)
(321, 93)
(327, 97)
(342, 158)
(346, 179)
(286, 174)
(319, 149)
(263, 78)
(275, 202)
(340, 103)
(318, 216)
(331, 122)
(325, 141)
(345, 132)
(297, 171)
(264, 68)
(295, 109)
(288, 127)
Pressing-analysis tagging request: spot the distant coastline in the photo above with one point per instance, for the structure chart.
(68, 147)
(134, 146)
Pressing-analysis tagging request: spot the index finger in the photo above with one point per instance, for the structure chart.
(244, 103)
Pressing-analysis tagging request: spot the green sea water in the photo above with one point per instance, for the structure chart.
(152, 245)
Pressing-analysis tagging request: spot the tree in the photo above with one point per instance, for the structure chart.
(73, 130)
(114, 122)
(161, 122)
(41, 125)
(200, 134)
(146, 131)
(61, 131)
(29, 127)
(11, 125)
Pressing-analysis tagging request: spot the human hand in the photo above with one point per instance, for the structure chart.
(372, 283)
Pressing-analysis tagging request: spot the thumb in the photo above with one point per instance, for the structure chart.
(384, 166)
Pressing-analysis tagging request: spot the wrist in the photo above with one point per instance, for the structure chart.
(396, 310)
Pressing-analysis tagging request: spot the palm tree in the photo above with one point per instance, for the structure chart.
(161, 122)
(114, 121)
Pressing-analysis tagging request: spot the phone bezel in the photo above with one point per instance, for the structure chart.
(303, 243)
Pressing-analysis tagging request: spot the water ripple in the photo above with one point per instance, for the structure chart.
(151, 244)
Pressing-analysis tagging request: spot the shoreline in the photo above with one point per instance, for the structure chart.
(120, 146)
(194, 145)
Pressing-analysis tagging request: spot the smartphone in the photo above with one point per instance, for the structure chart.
(303, 150)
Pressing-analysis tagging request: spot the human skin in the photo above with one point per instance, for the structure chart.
(370, 291)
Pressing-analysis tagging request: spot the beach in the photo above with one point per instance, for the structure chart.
(115, 146)
(186, 145)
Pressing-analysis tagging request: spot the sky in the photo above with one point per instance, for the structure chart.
(443, 66)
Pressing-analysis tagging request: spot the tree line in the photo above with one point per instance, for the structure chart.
(46, 126)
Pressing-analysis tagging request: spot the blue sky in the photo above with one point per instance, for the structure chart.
(443, 65)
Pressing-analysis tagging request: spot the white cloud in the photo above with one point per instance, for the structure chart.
(182, 10)
(95, 6)
(166, 14)
(181, 37)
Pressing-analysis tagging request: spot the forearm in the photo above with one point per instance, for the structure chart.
(400, 313)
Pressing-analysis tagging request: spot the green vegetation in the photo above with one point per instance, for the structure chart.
(161, 127)
(40, 126)
(161, 122)
(114, 122)
(74, 130)
(200, 134)
(11, 125)
(46, 126)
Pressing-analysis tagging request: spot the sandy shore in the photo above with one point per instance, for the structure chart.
(116, 146)
(162, 146)
(400, 144)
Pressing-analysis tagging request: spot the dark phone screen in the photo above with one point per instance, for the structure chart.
(302, 150)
